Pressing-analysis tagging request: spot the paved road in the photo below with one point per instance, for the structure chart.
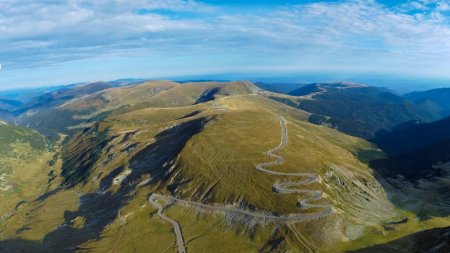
(175, 225)
(282, 188)
(289, 187)
(226, 209)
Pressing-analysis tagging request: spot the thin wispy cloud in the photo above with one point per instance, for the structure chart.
(408, 37)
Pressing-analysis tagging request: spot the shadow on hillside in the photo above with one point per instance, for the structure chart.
(19, 245)
(432, 240)
(417, 180)
(207, 95)
(191, 114)
(102, 208)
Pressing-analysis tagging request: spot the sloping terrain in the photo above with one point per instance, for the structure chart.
(37, 108)
(178, 167)
(84, 112)
(7, 107)
(413, 136)
(416, 167)
(25, 167)
(40, 110)
(6, 115)
(433, 240)
(10, 105)
(436, 99)
(356, 109)
(58, 97)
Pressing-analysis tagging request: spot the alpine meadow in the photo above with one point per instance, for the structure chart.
(225, 126)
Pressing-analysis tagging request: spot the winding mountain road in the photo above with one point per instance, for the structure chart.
(286, 187)
(175, 225)
(289, 187)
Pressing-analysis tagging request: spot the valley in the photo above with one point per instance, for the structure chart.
(179, 167)
(198, 126)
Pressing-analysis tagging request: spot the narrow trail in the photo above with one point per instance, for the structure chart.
(289, 187)
(175, 225)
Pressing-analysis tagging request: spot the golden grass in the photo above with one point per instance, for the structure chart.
(217, 167)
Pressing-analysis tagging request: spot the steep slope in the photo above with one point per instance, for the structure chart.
(9, 104)
(114, 98)
(417, 167)
(206, 155)
(58, 97)
(41, 109)
(356, 109)
(183, 167)
(86, 111)
(433, 240)
(7, 107)
(6, 115)
(414, 136)
(24, 167)
(437, 99)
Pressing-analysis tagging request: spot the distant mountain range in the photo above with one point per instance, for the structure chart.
(127, 167)
(436, 99)
(358, 110)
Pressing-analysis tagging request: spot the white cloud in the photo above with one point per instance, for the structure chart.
(34, 33)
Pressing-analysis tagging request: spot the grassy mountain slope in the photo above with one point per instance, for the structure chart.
(60, 96)
(84, 112)
(200, 142)
(206, 152)
(39, 113)
(24, 167)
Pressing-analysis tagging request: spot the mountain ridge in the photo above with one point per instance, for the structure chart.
(203, 151)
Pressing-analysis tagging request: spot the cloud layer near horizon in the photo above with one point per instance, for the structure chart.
(355, 35)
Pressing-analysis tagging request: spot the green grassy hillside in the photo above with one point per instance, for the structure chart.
(196, 146)
(25, 167)
(41, 112)
(85, 111)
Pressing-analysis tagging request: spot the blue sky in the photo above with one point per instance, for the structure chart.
(58, 42)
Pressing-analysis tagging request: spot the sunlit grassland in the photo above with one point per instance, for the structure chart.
(214, 165)
(34, 170)
(27, 176)
(37, 219)
(24, 166)
(137, 229)
(219, 163)
(113, 98)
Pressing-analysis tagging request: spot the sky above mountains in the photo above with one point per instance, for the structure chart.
(56, 42)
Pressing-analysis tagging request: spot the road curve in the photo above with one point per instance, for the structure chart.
(286, 187)
(282, 188)
(175, 225)
(289, 187)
